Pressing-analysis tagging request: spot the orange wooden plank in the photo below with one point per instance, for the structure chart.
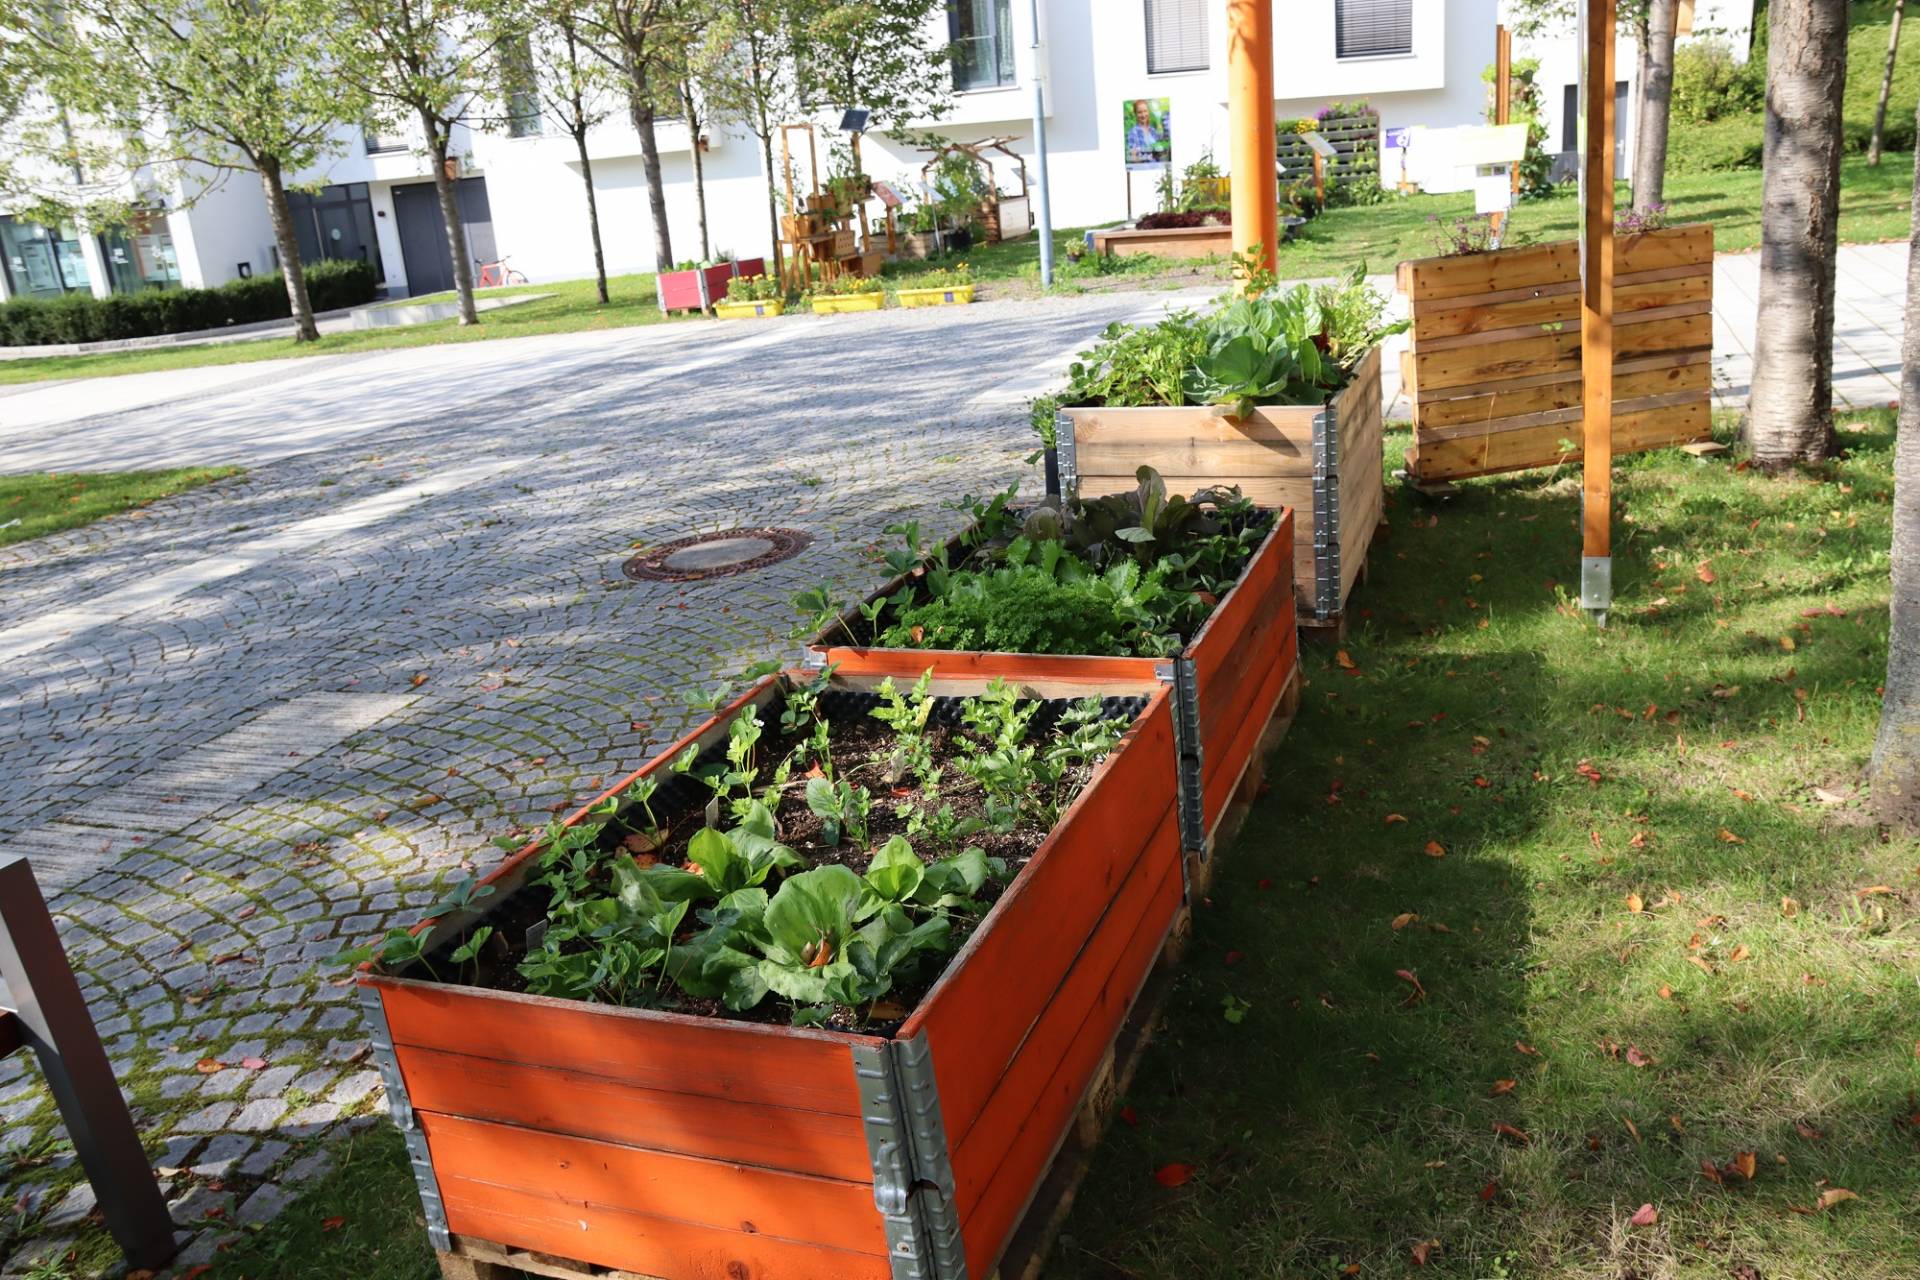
(1096, 982)
(1214, 646)
(561, 1101)
(708, 1193)
(609, 1237)
(985, 1230)
(755, 1063)
(979, 1011)
(1685, 246)
(1241, 738)
(1478, 273)
(910, 663)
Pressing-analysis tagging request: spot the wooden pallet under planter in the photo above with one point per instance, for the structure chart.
(576, 1137)
(1226, 683)
(1321, 460)
(1492, 366)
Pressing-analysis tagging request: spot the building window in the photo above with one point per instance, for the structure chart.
(1176, 35)
(141, 256)
(1372, 28)
(982, 34)
(377, 143)
(41, 262)
(337, 222)
(519, 90)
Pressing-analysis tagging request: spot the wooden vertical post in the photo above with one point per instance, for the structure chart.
(1503, 106)
(1596, 307)
(1256, 207)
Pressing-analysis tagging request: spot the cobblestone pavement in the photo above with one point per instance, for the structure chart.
(248, 726)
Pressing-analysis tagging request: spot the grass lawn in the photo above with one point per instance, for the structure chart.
(42, 502)
(1699, 759)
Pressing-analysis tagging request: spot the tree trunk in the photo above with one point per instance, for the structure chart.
(640, 107)
(1656, 105)
(1790, 416)
(593, 210)
(1886, 86)
(1641, 74)
(450, 215)
(1895, 769)
(699, 170)
(291, 269)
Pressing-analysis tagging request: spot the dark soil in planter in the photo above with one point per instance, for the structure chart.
(1184, 218)
(862, 750)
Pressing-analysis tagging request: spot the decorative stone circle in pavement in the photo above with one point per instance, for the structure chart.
(716, 555)
(316, 734)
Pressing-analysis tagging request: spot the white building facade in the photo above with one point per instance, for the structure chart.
(1418, 63)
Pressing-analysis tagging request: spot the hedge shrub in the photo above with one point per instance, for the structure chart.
(78, 317)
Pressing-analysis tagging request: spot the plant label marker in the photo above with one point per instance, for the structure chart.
(1596, 306)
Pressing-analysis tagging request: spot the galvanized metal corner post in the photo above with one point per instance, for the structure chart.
(50, 1016)
(1596, 307)
(1040, 152)
(1256, 207)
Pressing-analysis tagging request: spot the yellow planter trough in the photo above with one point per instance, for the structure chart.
(939, 296)
(827, 304)
(741, 310)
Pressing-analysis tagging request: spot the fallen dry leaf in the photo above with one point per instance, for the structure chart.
(1632, 1128)
(1645, 1216)
(1744, 1164)
(1346, 662)
(1637, 1057)
(1489, 1191)
(1173, 1175)
(1423, 1251)
(1807, 1131)
(332, 1224)
(1634, 904)
(1727, 837)
(419, 678)
(1508, 1131)
(1705, 572)
(1419, 992)
(207, 1066)
(254, 1064)
(1434, 849)
(1825, 796)
(1392, 818)
(1665, 992)
(1404, 919)
(1523, 1047)
(1833, 1196)
(1739, 953)
(1502, 1087)
(1789, 907)
(1871, 890)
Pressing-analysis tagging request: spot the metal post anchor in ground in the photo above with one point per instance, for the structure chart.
(50, 1016)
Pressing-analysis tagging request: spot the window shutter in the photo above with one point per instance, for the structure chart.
(1176, 35)
(1370, 28)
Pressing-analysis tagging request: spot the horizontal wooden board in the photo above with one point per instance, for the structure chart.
(608, 1237)
(1548, 352)
(980, 1010)
(561, 1101)
(1464, 275)
(1434, 413)
(753, 1063)
(986, 1229)
(1691, 245)
(741, 1198)
(1493, 453)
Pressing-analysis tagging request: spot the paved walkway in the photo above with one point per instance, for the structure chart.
(251, 724)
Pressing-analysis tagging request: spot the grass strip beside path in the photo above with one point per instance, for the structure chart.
(42, 502)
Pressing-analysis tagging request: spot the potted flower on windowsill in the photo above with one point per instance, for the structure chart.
(940, 287)
(759, 295)
(848, 292)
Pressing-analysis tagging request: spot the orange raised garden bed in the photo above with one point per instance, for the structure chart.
(1227, 682)
(702, 1148)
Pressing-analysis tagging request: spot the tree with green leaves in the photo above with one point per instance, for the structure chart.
(749, 71)
(877, 55)
(639, 38)
(548, 67)
(183, 93)
(422, 62)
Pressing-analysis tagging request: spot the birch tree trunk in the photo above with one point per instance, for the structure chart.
(593, 212)
(1656, 105)
(437, 141)
(291, 268)
(699, 170)
(640, 108)
(1790, 415)
(1886, 87)
(773, 211)
(1895, 768)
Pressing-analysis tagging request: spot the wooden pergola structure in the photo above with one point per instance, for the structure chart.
(1250, 91)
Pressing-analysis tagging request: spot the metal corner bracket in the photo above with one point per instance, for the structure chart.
(1326, 514)
(1596, 586)
(1065, 453)
(401, 1106)
(913, 1183)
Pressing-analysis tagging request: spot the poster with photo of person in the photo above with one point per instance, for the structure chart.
(1149, 133)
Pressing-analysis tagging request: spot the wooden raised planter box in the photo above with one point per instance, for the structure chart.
(1168, 242)
(697, 289)
(696, 1148)
(1324, 461)
(1492, 366)
(1227, 683)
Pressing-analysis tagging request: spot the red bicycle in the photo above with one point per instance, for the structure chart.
(496, 273)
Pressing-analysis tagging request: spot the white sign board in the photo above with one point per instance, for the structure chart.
(1493, 191)
(1321, 147)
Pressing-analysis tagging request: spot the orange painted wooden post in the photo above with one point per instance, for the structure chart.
(1596, 308)
(1256, 209)
(1503, 111)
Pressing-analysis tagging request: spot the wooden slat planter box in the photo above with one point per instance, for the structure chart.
(1168, 242)
(693, 1148)
(1493, 360)
(1324, 461)
(697, 289)
(1227, 682)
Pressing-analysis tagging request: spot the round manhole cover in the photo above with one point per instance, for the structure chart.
(715, 555)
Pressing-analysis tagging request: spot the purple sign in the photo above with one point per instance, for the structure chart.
(1398, 138)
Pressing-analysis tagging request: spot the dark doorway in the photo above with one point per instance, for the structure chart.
(423, 234)
(337, 222)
